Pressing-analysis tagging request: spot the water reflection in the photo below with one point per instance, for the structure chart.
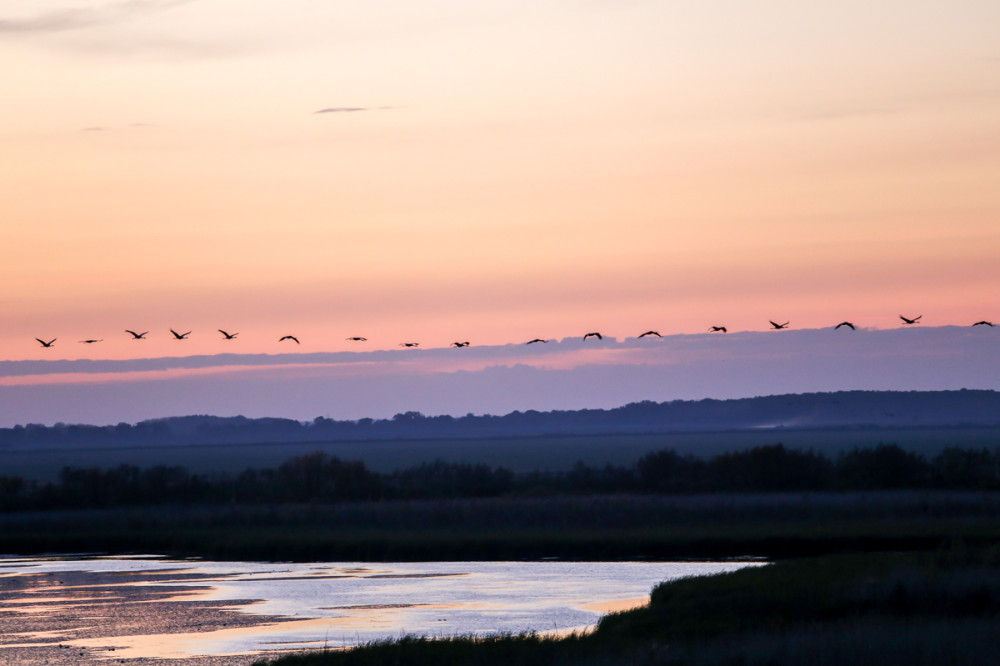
(158, 608)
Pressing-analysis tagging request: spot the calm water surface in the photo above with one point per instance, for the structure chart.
(272, 606)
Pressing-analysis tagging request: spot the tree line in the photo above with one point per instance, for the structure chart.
(836, 409)
(321, 478)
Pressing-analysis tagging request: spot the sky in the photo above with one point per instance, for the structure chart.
(497, 379)
(490, 172)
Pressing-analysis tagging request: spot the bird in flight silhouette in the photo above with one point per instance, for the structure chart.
(595, 334)
(289, 337)
(778, 326)
(531, 342)
(89, 342)
(137, 336)
(409, 344)
(845, 323)
(357, 338)
(228, 336)
(717, 329)
(46, 344)
(984, 323)
(651, 333)
(460, 344)
(180, 336)
(907, 321)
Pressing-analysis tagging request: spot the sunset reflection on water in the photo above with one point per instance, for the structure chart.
(156, 608)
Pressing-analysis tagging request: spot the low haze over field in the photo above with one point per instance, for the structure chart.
(567, 374)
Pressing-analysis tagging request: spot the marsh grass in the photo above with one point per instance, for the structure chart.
(775, 525)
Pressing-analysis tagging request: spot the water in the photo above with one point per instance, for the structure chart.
(154, 607)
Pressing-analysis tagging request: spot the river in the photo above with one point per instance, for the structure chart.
(147, 607)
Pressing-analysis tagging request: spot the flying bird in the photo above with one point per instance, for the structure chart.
(137, 336)
(651, 333)
(180, 336)
(460, 344)
(778, 326)
(89, 342)
(908, 321)
(46, 344)
(984, 323)
(357, 339)
(409, 344)
(228, 336)
(531, 342)
(289, 337)
(717, 329)
(595, 334)
(845, 323)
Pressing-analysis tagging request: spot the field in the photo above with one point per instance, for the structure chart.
(518, 454)
(877, 576)
(772, 525)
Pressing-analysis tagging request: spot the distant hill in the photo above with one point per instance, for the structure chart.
(800, 411)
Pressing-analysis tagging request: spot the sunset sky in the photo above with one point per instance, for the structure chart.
(490, 171)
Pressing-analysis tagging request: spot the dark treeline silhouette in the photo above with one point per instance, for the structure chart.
(320, 478)
(807, 410)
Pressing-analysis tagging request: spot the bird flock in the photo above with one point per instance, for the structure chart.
(226, 335)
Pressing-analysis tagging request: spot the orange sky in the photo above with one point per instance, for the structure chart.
(512, 171)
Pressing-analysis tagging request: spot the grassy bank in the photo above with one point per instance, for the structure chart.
(903, 608)
(587, 528)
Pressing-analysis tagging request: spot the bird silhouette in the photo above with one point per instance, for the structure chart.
(907, 321)
(46, 344)
(984, 323)
(531, 342)
(137, 336)
(409, 344)
(357, 339)
(717, 329)
(180, 336)
(778, 326)
(228, 336)
(289, 337)
(845, 323)
(90, 342)
(595, 334)
(460, 344)
(651, 333)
